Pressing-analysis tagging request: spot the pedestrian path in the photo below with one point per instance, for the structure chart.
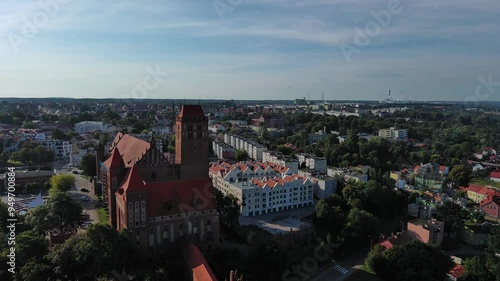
(340, 269)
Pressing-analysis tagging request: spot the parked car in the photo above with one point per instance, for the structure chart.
(84, 198)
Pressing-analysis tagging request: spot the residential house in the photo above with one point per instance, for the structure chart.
(477, 193)
(491, 206)
(495, 176)
(428, 231)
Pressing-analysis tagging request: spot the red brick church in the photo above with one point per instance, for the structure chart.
(162, 204)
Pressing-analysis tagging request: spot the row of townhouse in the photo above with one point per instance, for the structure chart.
(223, 150)
(262, 188)
(253, 148)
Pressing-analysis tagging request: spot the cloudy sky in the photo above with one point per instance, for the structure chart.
(249, 49)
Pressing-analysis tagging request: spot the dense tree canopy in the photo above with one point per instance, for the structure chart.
(414, 261)
(88, 165)
(61, 183)
(61, 213)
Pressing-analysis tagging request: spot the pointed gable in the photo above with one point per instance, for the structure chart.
(132, 149)
(115, 161)
(133, 181)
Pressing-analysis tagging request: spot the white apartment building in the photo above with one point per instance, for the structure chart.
(312, 162)
(223, 150)
(262, 188)
(92, 126)
(347, 174)
(254, 149)
(62, 149)
(280, 159)
(393, 134)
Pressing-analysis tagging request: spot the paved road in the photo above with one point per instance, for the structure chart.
(340, 271)
(76, 193)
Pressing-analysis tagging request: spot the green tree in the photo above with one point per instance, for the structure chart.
(459, 175)
(476, 270)
(61, 213)
(88, 165)
(452, 215)
(413, 261)
(240, 155)
(36, 270)
(228, 209)
(360, 226)
(61, 183)
(4, 214)
(30, 245)
(493, 252)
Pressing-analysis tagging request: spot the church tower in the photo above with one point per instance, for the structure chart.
(191, 142)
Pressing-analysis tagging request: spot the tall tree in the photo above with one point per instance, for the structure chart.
(61, 213)
(452, 215)
(459, 175)
(413, 261)
(88, 165)
(61, 183)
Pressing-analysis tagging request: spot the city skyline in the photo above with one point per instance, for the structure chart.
(249, 49)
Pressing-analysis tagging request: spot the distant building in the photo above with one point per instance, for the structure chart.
(253, 148)
(92, 126)
(62, 149)
(347, 174)
(393, 134)
(428, 231)
(280, 159)
(28, 177)
(312, 162)
(223, 150)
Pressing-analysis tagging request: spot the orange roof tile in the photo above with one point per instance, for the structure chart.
(132, 149)
(199, 266)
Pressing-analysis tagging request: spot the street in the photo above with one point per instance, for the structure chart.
(340, 271)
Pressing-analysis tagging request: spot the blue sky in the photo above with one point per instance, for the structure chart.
(255, 49)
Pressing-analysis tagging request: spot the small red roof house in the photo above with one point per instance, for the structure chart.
(491, 206)
(495, 176)
(477, 193)
(456, 272)
(399, 239)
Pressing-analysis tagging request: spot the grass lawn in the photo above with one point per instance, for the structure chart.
(484, 182)
(361, 275)
(103, 215)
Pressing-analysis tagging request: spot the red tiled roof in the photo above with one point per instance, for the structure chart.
(495, 199)
(457, 271)
(191, 110)
(180, 196)
(199, 266)
(495, 175)
(133, 181)
(114, 161)
(396, 240)
(483, 190)
(132, 149)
